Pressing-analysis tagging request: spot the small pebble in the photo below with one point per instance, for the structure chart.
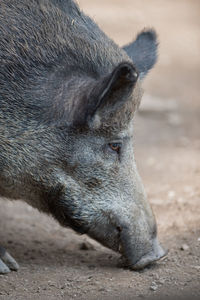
(161, 281)
(153, 288)
(184, 247)
(171, 194)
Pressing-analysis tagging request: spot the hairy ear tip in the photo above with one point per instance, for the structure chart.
(148, 33)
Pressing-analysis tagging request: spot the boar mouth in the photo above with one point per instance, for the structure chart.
(148, 259)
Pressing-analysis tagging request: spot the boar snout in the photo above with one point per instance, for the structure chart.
(155, 254)
(139, 254)
(136, 241)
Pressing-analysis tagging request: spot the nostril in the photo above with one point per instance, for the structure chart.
(119, 228)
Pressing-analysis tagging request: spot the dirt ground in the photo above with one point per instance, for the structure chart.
(167, 146)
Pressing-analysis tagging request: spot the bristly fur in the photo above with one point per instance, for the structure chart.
(40, 49)
(68, 95)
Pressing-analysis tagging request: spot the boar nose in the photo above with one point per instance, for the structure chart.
(138, 250)
(155, 254)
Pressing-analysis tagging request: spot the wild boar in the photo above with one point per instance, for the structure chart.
(68, 95)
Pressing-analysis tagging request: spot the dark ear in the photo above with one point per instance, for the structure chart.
(112, 91)
(81, 101)
(143, 51)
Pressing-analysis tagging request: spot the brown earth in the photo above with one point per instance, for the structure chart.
(168, 155)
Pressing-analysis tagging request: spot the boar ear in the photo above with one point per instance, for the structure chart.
(112, 91)
(81, 101)
(143, 51)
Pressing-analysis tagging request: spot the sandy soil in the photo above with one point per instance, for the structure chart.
(53, 265)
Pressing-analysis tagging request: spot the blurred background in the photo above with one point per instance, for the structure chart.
(167, 149)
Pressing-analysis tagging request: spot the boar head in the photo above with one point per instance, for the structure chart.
(101, 192)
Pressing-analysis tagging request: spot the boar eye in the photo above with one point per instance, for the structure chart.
(115, 146)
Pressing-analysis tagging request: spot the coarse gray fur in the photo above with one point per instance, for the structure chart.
(67, 94)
